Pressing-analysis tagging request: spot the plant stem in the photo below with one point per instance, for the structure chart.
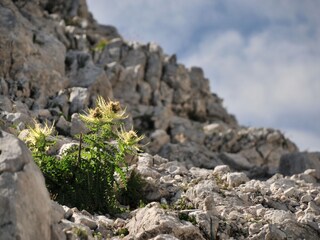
(80, 146)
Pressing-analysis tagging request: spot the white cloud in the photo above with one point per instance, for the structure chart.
(263, 58)
(259, 77)
(163, 21)
(307, 141)
(266, 77)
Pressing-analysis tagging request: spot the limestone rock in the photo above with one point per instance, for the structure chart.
(37, 57)
(258, 147)
(237, 178)
(152, 220)
(79, 100)
(236, 161)
(83, 73)
(85, 220)
(192, 154)
(77, 125)
(165, 237)
(298, 162)
(20, 216)
(214, 128)
(5, 104)
(63, 126)
(221, 169)
(158, 139)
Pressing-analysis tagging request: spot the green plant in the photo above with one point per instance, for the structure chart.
(84, 176)
(142, 204)
(133, 195)
(164, 206)
(186, 217)
(81, 233)
(101, 45)
(182, 204)
(97, 235)
(122, 232)
(221, 183)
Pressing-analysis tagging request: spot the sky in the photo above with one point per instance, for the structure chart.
(261, 57)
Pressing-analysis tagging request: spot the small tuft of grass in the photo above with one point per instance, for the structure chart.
(186, 217)
(80, 233)
(183, 204)
(122, 232)
(101, 45)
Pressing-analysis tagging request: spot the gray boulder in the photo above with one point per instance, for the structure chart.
(25, 207)
(82, 72)
(79, 100)
(191, 154)
(295, 163)
(32, 61)
(152, 221)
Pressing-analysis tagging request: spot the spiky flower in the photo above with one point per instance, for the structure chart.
(97, 113)
(38, 132)
(104, 112)
(130, 138)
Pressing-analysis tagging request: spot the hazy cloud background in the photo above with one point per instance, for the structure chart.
(262, 57)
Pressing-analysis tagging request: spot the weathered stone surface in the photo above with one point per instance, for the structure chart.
(77, 126)
(152, 220)
(158, 139)
(183, 130)
(236, 161)
(5, 103)
(61, 101)
(196, 203)
(165, 237)
(298, 162)
(32, 60)
(154, 66)
(85, 220)
(21, 184)
(258, 147)
(83, 73)
(237, 178)
(63, 126)
(191, 154)
(79, 100)
(111, 53)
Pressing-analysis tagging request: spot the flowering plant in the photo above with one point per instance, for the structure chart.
(85, 175)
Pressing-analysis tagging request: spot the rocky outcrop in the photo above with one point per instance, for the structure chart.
(297, 162)
(192, 203)
(206, 204)
(25, 208)
(257, 146)
(32, 60)
(153, 220)
(58, 60)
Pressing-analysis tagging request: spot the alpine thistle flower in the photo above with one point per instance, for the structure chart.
(130, 138)
(38, 132)
(104, 112)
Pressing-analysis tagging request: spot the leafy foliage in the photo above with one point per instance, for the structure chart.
(101, 45)
(186, 217)
(85, 174)
(122, 232)
(183, 204)
(133, 194)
